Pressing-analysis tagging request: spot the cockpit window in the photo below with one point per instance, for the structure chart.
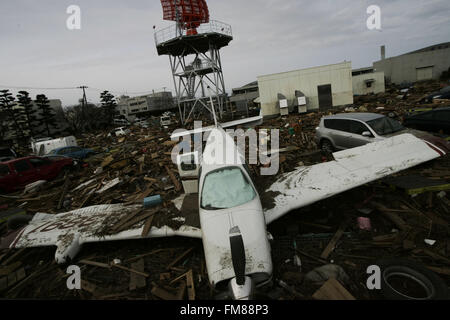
(226, 188)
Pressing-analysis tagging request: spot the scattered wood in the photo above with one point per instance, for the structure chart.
(144, 274)
(96, 264)
(137, 281)
(311, 257)
(164, 276)
(332, 244)
(12, 257)
(179, 258)
(144, 255)
(163, 294)
(181, 291)
(190, 285)
(147, 226)
(63, 193)
(6, 270)
(175, 181)
(445, 271)
(395, 218)
(290, 289)
(332, 290)
(433, 255)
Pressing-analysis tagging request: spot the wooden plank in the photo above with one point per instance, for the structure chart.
(178, 278)
(332, 290)
(6, 270)
(14, 256)
(86, 200)
(63, 193)
(144, 255)
(311, 257)
(126, 219)
(147, 226)
(445, 271)
(137, 281)
(175, 181)
(134, 221)
(190, 285)
(184, 254)
(435, 255)
(332, 244)
(399, 222)
(181, 291)
(95, 263)
(131, 270)
(163, 294)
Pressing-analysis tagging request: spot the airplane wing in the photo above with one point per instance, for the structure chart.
(350, 169)
(68, 231)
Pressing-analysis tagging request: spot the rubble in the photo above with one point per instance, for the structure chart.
(348, 232)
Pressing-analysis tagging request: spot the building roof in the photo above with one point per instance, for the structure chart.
(247, 86)
(443, 45)
(244, 96)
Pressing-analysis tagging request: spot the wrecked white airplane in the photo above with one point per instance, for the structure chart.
(232, 218)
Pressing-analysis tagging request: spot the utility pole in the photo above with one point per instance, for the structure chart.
(83, 106)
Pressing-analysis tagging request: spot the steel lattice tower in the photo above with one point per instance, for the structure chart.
(193, 45)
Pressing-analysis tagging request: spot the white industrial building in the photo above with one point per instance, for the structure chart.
(139, 106)
(424, 64)
(324, 87)
(367, 81)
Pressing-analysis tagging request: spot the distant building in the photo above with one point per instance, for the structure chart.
(366, 81)
(324, 87)
(243, 98)
(142, 106)
(424, 64)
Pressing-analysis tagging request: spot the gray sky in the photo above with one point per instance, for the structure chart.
(115, 49)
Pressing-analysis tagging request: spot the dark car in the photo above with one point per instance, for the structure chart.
(444, 93)
(72, 152)
(16, 174)
(436, 120)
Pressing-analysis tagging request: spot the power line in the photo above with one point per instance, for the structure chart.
(76, 88)
(124, 92)
(35, 88)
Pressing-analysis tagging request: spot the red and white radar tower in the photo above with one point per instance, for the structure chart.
(193, 45)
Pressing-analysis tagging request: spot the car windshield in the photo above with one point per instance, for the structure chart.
(226, 188)
(383, 126)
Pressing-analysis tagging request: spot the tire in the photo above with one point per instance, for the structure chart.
(18, 221)
(408, 280)
(326, 146)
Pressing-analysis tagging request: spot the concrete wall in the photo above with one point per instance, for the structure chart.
(360, 87)
(306, 80)
(404, 68)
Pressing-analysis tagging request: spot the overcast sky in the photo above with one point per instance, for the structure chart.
(115, 49)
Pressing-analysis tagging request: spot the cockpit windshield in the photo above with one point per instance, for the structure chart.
(226, 188)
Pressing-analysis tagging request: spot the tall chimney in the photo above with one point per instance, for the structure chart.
(383, 52)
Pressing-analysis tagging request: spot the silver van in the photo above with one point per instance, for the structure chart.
(349, 130)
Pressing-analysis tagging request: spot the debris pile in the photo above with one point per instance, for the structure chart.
(319, 252)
